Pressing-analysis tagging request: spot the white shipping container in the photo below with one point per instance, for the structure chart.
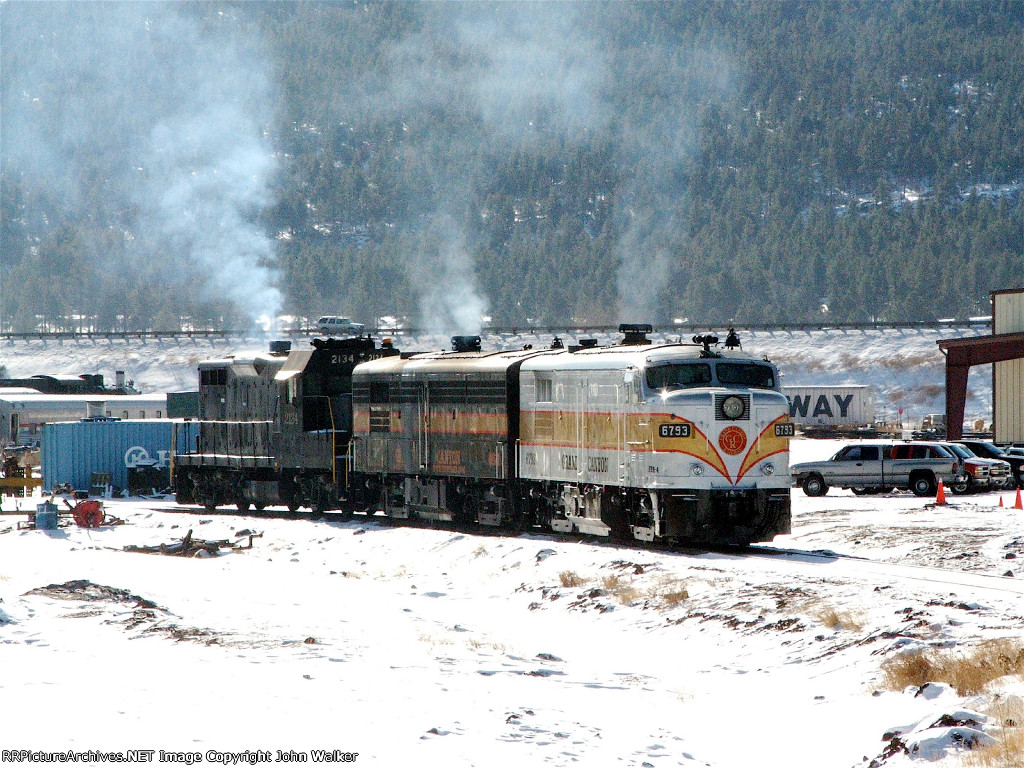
(852, 405)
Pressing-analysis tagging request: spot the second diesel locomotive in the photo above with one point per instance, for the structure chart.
(652, 442)
(655, 442)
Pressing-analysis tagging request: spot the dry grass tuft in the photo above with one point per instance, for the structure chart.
(433, 641)
(612, 582)
(836, 620)
(1008, 751)
(477, 645)
(623, 591)
(571, 579)
(967, 674)
(669, 593)
(674, 597)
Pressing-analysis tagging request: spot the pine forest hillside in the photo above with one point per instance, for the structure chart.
(166, 164)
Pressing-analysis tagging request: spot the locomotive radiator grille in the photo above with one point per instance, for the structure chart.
(380, 420)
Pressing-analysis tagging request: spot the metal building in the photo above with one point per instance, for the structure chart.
(22, 415)
(1008, 375)
(71, 452)
(1005, 349)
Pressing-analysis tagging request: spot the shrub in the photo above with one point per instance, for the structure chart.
(967, 674)
(571, 579)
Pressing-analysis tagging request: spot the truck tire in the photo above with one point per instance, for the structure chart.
(923, 484)
(814, 485)
(961, 488)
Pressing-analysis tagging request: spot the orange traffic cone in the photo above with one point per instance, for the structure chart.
(940, 497)
(1018, 505)
(1000, 501)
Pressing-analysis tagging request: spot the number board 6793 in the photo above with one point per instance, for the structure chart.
(673, 430)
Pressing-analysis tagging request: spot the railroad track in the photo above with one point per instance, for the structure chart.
(684, 328)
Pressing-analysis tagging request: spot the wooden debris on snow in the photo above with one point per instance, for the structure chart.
(189, 547)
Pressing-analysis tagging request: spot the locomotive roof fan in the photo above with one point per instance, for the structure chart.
(465, 343)
(584, 344)
(635, 334)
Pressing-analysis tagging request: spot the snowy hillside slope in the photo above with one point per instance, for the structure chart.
(904, 365)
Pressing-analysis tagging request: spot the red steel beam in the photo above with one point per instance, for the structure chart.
(961, 354)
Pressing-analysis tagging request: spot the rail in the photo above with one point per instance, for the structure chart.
(578, 329)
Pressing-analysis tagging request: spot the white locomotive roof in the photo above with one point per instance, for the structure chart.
(448, 362)
(626, 356)
(594, 358)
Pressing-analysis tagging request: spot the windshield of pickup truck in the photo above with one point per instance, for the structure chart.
(962, 451)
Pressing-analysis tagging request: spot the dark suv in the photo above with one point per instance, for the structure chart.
(989, 451)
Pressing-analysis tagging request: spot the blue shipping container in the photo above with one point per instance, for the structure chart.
(72, 451)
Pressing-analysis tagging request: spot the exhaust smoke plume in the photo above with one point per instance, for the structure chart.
(164, 105)
(505, 76)
(660, 148)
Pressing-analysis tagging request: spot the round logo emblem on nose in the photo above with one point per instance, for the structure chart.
(732, 440)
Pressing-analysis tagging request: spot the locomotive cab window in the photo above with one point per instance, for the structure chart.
(752, 375)
(545, 390)
(213, 377)
(678, 376)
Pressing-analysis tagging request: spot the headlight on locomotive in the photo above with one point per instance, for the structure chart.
(733, 407)
(768, 469)
(697, 470)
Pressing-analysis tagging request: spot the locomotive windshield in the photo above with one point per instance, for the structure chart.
(746, 375)
(678, 376)
(673, 376)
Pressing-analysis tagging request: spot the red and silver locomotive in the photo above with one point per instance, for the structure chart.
(649, 441)
(639, 440)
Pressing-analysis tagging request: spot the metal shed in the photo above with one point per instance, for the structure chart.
(73, 451)
(1004, 348)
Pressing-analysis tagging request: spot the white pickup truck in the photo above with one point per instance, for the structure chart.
(876, 467)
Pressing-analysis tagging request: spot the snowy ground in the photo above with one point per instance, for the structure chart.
(432, 647)
(904, 366)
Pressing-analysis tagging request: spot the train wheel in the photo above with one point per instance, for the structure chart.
(242, 505)
(210, 507)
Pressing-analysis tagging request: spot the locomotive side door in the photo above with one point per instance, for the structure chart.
(625, 404)
(638, 432)
(422, 458)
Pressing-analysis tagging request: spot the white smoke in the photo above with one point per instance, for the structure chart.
(652, 246)
(505, 74)
(163, 106)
